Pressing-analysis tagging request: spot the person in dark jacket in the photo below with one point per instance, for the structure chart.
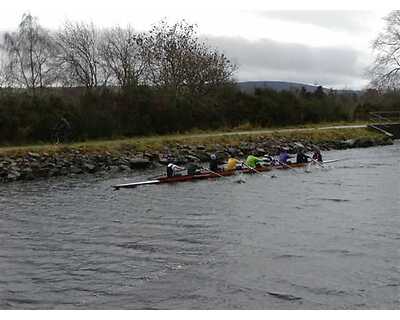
(317, 155)
(192, 168)
(213, 163)
(301, 157)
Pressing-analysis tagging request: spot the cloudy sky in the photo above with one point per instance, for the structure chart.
(288, 41)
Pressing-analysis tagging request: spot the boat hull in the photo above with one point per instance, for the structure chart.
(207, 175)
(211, 175)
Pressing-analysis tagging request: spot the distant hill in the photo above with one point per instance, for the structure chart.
(250, 86)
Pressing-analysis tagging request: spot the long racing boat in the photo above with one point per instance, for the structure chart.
(211, 175)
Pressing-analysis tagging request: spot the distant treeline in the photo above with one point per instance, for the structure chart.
(82, 82)
(75, 114)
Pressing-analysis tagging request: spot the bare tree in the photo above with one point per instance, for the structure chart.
(121, 55)
(79, 60)
(385, 71)
(168, 56)
(29, 54)
(208, 69)
(3, 77)
(177, 60)
(164, 50)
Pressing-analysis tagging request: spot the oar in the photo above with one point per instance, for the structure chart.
(209, 169)
(255, 170)
(157, 176)
(251, 168)
(219, 175)
(281, 163)
(316, 162)
(287, 166)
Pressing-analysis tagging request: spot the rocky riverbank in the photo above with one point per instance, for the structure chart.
(73, 161)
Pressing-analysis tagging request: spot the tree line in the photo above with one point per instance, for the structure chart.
(102, 83)
(142, 110)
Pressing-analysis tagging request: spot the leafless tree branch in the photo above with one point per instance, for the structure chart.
(384, 72)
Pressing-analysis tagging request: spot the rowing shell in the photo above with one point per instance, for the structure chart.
(176, 179)
(135, 184)
(209, 175)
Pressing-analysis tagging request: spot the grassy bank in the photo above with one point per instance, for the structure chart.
(156, 143)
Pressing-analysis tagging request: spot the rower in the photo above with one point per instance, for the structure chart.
(284, 156)
(232, 164)
(253, 161)
(301, 157)
(267, 159)
(317, 155)
(192, 168)
(213, 163)
(173, 169)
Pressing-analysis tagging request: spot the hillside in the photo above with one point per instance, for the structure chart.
(250, 86)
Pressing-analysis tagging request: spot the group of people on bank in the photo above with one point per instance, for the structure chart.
(283, 158)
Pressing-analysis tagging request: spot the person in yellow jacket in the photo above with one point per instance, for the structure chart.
(232, 163)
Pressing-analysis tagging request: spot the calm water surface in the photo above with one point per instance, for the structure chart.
(329, 238)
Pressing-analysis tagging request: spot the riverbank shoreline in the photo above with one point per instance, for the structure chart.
(38, 162)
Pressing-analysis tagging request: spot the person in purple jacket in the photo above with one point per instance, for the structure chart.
(284, 156)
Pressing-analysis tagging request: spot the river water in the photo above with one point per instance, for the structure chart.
(326, 239)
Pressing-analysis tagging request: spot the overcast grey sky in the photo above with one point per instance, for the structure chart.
(327, 46)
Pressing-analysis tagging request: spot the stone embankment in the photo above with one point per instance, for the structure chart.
(74, 161)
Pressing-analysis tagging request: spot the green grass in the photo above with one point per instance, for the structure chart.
(250, 127)
(156, 143)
